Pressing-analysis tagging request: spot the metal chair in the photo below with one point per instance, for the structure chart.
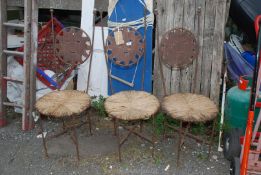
(124, 47)
(177, 49)
(73, 47)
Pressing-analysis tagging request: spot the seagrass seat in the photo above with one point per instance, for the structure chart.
(67, 106)
(189, 107)
(64, 103)
(132, 105)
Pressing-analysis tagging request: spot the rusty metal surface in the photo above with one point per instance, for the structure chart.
(131, 129)
(46, 57)
(178, 48)
(47, 60)
(183, 132)
(124, 46)
(70, 124)
(73, 45)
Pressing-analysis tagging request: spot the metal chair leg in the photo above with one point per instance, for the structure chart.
(164, 128)
(180, 140)
(64, 125)
(43, 138)
(132, 130)
(119, 138)
(90, 123)
(153, 136)
(115, 127)
(141, 126)
(212, 137)
(75, 141)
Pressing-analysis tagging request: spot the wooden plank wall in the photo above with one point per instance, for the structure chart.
(206, 19)
(101, 5)
(56, 4)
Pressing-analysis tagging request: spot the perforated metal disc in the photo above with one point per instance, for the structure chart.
(73, 45)
(124, 46)
(178, 48)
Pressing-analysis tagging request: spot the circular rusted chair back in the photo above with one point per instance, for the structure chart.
(178, 48)
(124, 46)
(73, 45)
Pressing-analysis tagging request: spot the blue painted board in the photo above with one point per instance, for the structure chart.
(130, 10)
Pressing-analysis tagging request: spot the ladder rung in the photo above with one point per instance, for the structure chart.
(255, 144)
(12, 104)
(255, 152)
(12, 79)
(8, 24)
(10, 52)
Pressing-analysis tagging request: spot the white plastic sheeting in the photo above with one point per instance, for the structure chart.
(15, 90)
(98, 78)
(14, 40)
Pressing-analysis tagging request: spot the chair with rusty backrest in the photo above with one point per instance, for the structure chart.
(124, 47)
(72, 46)
(177, 49)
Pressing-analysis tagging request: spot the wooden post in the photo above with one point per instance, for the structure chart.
(26, 66)
(33, 61)
(3, 61)
(29, 62)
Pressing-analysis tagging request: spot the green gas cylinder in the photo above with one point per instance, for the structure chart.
(236, 107)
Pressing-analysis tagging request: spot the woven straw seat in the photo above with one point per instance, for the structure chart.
(131, 105)
(189, 107)
(63, 103)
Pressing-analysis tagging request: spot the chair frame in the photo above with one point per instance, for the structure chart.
(71, 129)
(131, 130)
(182, 134)
(139, 122)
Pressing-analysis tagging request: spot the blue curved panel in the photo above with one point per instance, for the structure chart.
(130, 10)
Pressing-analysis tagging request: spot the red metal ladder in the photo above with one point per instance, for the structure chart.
(255, 88)
(30, 58)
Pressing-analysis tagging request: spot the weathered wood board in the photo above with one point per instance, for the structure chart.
(56, 4)
(206, 20)
(62, 4)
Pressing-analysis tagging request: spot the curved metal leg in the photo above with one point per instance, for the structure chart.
(180, 140)
(43, 138)
(212, 137)
(64, 125)
(164, 128)
(141, 126)
(182, 135)
(153, 136)
(119, 138)
(115, 126)
(75, 141)
(90, 123)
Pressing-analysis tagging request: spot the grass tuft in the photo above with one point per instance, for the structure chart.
(98, 104)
